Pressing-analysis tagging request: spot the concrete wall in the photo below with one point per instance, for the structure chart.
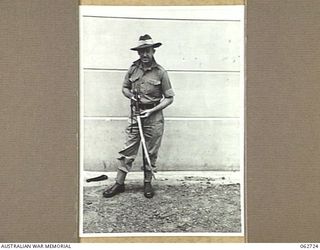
(203, 59)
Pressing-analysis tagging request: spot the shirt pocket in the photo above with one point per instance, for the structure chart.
(135, 81)
(153, 82)
(134, 78)
(152, 87)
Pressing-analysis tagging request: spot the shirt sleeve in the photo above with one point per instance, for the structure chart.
(126, 82)
(166, 85)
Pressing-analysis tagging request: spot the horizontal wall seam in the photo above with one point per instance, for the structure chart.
(170, 70)
(121, 118)
(164, 19)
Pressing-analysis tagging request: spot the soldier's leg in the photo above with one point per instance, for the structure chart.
(127, 156)
(153, 132)
(130, 149)
(153, 137)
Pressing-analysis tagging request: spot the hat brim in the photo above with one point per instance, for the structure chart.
(155, 45)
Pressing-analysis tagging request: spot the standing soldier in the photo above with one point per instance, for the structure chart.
(148, 87)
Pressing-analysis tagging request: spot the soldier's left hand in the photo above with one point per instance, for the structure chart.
(145, 113)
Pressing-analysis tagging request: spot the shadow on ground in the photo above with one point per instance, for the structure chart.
(190, 205)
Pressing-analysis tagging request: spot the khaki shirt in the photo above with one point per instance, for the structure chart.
(152, 84)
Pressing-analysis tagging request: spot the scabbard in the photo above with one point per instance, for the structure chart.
(144, 146)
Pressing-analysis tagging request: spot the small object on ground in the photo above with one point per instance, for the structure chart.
(99, 178)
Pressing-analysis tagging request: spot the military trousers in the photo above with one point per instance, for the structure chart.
(153, 127)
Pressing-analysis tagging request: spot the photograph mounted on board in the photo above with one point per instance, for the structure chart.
(161, 121)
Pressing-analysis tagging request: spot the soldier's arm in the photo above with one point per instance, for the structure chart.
(162, 105)
(126, 86)
(127, 93)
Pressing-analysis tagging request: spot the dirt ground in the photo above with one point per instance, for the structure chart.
(191, 204)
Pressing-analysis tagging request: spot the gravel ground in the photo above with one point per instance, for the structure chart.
(192, 204)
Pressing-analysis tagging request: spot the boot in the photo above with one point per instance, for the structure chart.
(118, 187)
(115, 189)
(148, 190)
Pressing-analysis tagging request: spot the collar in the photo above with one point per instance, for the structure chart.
(154, 64)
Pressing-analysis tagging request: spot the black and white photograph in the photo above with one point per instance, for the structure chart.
(162, 121)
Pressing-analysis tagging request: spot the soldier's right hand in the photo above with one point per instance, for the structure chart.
(133, 98)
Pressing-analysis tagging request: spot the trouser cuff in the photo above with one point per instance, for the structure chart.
(147, 176)
(121, 176)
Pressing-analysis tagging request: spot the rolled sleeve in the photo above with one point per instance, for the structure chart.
(126, 82)
(166, 85)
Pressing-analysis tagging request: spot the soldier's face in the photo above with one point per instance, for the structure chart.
(146, 55)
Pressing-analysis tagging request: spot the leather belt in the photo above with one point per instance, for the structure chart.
(148, 106)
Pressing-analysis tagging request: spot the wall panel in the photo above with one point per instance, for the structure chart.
(187, 45)
(102, 94)
(187, 145)
(197, 94)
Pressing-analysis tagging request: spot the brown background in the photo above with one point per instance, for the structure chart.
(283, 122)
(39, 121)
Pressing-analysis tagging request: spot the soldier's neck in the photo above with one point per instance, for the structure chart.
(146, 65)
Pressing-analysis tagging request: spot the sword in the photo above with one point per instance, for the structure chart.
(142, 139)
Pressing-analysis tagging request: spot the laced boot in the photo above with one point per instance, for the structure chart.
(115, 189)
(118, 187)
(148, 190)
